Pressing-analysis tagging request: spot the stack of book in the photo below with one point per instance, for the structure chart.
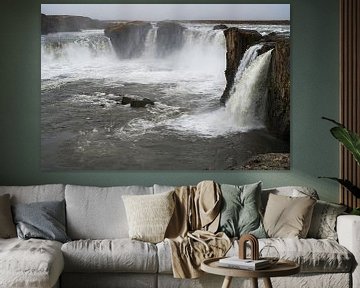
(248, 264)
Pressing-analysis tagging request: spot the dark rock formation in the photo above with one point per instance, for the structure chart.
(136, 102)
(128, 39)
(169, 37)
(279, 90)
(220, 27)
(237, 42)
(278, 106)
(65, 23)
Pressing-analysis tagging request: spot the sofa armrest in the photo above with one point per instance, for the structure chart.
(348, 230)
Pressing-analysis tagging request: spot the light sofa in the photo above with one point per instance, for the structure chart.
(101, 254)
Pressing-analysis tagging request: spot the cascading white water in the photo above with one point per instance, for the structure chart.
(247, 103)
(249, 56)
(150, 42)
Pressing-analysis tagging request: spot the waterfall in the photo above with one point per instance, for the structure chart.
(247, 102)
(249, 56)
(150, 42)
(75, 46)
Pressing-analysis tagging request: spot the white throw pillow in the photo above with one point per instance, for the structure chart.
(149, 215)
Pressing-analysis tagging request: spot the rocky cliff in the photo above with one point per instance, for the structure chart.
(278, 106)
(279, 90)
(65, 23)
(169, 37)
(237, 41)
(128, 39)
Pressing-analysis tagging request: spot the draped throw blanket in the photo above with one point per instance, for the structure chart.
(191, 231)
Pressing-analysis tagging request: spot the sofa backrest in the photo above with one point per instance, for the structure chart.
(36, 193)
(98, 212)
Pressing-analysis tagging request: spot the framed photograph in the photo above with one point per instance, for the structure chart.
(165, 86)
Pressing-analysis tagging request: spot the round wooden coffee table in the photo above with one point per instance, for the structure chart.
(281, 268)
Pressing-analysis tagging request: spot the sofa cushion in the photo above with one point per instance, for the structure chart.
(7, 226)
(43, 220)
(323, 222)
(109, 280)
(30, 263)
(240, 210)
(313, 255)
(36, 193)
(291, 191)
(98, 213)
(287, 216)
(149, 215)
(117, 255)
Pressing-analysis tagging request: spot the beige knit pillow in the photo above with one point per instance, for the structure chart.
(149, 215)
(7, 226)
(288, 217)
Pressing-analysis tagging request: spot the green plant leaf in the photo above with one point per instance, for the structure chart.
(348, 138)
(347, 184)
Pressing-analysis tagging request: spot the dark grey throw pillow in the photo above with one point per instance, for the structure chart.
(43, 220)
(240, 213)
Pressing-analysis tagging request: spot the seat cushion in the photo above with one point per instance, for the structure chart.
(313, 255)
(117, 255)
(30, 263)
(98, 213)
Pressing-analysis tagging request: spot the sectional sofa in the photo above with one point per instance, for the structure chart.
(100, 253)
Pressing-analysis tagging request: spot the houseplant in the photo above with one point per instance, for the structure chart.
(351, 141)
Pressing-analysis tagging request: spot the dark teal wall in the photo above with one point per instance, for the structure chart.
(314, 92)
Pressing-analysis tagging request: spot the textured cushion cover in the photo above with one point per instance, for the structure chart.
(240, 213)
(109, 280)
(291, 191)
(35, 193)
(117, 255)
(323, 222)
(7, 226)
(149, 215)
(313, 255)
(32, 263)
(98, 212)
(287, 216)
(44, 220)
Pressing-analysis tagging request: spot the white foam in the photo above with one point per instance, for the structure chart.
(247, 103)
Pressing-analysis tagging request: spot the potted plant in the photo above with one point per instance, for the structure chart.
(351, 141)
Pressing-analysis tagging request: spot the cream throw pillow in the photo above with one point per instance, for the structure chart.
(149, 215)
(288, 217)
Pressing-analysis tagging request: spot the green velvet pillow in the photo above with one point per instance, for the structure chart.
(240, 213)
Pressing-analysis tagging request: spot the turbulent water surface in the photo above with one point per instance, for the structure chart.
(84, 126)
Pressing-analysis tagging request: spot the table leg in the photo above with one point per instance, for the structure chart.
(254, 282)
(227, 282)
(267, 283)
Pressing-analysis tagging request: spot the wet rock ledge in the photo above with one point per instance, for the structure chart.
(278, 110)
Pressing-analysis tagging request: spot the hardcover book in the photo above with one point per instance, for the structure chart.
(249, 264)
